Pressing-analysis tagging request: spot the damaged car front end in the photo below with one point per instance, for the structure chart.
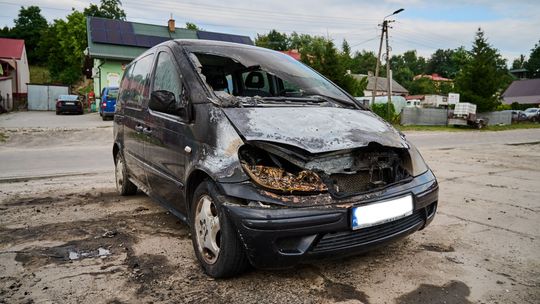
(309, 173)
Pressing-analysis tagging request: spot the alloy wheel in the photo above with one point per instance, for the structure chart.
(207, 229)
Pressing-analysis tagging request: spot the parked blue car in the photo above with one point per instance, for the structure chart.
(107, 102)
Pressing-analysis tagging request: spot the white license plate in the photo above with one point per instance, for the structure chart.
(381, 212)
(69, 103)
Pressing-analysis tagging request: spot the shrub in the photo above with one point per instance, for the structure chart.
(382, 110)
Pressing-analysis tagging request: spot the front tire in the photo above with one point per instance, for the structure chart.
(214, 238)
(123, 184)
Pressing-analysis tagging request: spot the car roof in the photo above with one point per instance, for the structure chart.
(68, 97)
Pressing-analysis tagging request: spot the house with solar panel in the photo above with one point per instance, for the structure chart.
(112, 44)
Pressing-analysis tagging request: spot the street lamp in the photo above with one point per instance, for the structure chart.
(384, 31)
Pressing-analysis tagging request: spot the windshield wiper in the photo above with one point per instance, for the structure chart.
(307, 99)
(334, 99)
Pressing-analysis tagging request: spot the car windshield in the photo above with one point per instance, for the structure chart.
(250, 76)
(113, 93)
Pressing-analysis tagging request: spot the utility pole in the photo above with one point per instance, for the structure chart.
(388, 71)
(388, 74)
(378, 64)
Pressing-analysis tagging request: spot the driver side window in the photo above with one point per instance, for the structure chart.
(167, 77)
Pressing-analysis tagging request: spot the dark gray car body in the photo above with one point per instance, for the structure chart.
(167, 156)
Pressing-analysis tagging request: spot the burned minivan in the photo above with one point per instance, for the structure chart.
(267, 161)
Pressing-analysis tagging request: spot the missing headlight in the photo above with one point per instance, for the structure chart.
(274, 173)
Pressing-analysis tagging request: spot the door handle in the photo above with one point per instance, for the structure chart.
(147, 131)
(139, 128)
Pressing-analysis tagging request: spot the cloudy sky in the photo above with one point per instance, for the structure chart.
(513, 27)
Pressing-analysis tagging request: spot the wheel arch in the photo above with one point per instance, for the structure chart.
(116, 150)
(195, 178)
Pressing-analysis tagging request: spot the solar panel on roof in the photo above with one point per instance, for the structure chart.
(114, 37)
(112, 25)
(129, 39)
(157, 40)
(97, 24)
(142, 40)
(126, 27)
(99, 36)
(223, 37)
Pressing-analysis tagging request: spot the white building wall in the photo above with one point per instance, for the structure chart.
(23, 73)
(5, 91)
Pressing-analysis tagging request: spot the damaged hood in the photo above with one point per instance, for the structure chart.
(314, 129)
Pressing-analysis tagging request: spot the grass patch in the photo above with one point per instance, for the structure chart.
(527, 125)
(3, 137)
(39, 74)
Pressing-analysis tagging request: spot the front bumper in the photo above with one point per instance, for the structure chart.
(284, 236)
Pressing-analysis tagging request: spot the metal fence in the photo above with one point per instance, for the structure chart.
(497, 118)
(439, 117)
(424, 117)
(43, 97)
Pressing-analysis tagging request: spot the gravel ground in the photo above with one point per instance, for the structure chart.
(72, 239)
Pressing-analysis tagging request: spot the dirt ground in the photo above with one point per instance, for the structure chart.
(72, 239)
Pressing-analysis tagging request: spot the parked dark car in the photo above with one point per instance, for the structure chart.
(267, 161)
(69, 104)
(107, 102)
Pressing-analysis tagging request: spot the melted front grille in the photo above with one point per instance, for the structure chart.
(372, 171)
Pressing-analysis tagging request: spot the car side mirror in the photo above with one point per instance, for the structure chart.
(163, 101)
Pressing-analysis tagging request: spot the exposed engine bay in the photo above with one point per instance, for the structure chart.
(342, 173)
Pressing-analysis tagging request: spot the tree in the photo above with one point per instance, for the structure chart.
(5, 32)
(192, 26)
(273, 40)
(533, 64)
(66, 42)
(483, 77)
(29, 26)
(110, 9)
(519, 63)
(406, 66)
(363, 62)
(422, 85)
(447, 63)
(346, 59)
(299, 41)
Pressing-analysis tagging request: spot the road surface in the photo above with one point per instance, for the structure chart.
(72, 239)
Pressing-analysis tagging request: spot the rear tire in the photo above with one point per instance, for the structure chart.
(123, 184)
(214, 238)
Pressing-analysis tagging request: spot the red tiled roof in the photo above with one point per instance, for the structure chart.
(411, 97)
(293, 53)
(11, 48)
(434, 77)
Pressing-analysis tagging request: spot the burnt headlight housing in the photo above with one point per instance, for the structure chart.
(278, 179)
(277, 174)
(415, 164)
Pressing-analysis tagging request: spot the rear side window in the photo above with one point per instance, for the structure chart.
(139, 84)
(167, 77)
(124, 85)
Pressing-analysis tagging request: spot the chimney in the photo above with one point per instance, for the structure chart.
(171, 24)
